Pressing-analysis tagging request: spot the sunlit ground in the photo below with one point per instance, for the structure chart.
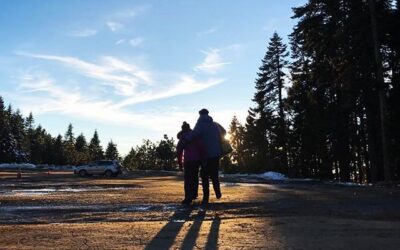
(142, 210)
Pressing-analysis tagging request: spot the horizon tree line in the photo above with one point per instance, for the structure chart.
(21, 141)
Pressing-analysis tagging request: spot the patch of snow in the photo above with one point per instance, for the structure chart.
(234, 175)
(45, 191)
(33, 166)
(351, 184)
(232, 184)
(169, 207)
(138, 208)
(17, 166)
(144, 208)
(46, 207)
(304, 179)
(78, 207)
(267, 176)
(179, 221)
(274, 176)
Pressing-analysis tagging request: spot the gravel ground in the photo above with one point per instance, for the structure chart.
(141, 210)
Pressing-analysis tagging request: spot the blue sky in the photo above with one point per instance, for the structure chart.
(134, 70)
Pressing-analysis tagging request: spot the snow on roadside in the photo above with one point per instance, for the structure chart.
(17, 166)
(29, 166)
(270, 175)
(274, 176)
(351, 184)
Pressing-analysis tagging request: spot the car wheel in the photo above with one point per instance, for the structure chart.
(82, 173)
(108, 173)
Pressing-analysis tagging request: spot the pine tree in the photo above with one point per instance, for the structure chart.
(112, 151)
(146, 155)
(165, 151)
(266, 126)
(59, 153)
(69, 146)
(8, 144)
(17, 126)
(237, 132)
(130, 161)
(272, 75)
(95, 149)
(256, 143)
(29, 132)
(82, 149)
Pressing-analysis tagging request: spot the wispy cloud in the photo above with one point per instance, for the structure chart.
(186, 84)
(120, 41)
(130, 81)
(116, 21)
(212, 62)
(42, 94)
(137, 41)
(83, 33)
(123, 77)
(115, 26)
(130, 12)
(55, 97)
(207, 32)
(73, 102)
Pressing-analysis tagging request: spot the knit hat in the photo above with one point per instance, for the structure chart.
(203, 112)
(185, 126)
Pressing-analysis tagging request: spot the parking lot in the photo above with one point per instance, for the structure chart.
(142, 210)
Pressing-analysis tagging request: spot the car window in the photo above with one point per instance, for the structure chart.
(105, 163)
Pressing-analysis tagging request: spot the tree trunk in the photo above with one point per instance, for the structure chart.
(374, 154)
(381, 93)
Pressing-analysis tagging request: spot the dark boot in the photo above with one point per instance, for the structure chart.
(186, 202)
(206, 195)
(205, 200)
(218, 194)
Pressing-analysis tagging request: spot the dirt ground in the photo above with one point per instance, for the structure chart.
(142, 210)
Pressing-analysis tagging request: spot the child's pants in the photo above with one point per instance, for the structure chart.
(191, 174)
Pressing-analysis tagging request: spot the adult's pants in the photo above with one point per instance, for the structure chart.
(208, 171)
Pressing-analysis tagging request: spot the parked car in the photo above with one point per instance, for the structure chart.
(107, 168)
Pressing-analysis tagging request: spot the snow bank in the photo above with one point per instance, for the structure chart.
(28, 166)
(351, 184)
(270, 175)
(273, 176)
(17, 166)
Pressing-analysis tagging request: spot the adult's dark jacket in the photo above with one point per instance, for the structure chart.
(210, 134)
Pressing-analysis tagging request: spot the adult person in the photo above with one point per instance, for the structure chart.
(210, 134)
(190, 156)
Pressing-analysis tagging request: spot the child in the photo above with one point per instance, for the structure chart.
(190, 156)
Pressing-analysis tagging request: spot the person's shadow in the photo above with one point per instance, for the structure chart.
(166, 236)
(190, 239)
(212, 239)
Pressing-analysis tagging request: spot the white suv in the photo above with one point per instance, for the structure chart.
(107, 168)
